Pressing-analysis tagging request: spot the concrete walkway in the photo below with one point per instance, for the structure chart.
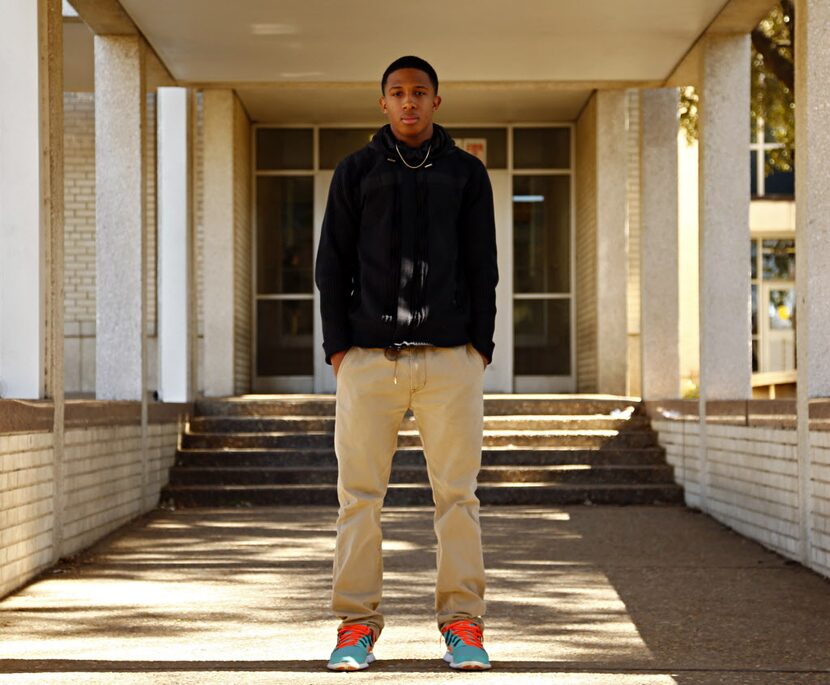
(596, 595)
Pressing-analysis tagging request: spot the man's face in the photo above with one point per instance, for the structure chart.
(409, 101)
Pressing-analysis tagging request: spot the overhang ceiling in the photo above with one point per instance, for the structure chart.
(321, 60)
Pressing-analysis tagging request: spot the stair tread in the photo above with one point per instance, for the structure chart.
(305, 417)
(418, 448)
(601, 432)
(325, 486)
(535, 449)
(488, 467)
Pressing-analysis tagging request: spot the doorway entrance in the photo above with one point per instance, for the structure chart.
(531, 170)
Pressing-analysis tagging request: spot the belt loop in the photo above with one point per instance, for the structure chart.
(392, 352)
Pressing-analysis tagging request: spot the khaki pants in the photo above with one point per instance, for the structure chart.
(444, 388)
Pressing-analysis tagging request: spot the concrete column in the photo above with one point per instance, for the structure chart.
(31, 199)
(612, 267)
(724, 238)
(174, 244)
(218, 264)
(812, 143)
(120, 98)
(659, 285)
(725, 333)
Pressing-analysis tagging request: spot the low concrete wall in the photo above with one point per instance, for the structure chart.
(111, 471)
(749, 480)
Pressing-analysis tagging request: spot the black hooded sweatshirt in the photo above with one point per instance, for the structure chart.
(408, 255)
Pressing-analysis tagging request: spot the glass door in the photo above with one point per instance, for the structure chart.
(542, 246)
(531, 168)
(284, 294)
(773, 304)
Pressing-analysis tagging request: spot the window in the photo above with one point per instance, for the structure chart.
(778, 184)
(773, 304)
(542, 301)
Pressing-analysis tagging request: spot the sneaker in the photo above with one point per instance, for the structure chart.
(464, 646)
(354, 648)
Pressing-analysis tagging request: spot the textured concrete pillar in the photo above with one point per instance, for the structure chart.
(725, 333)
(174, 244)
(612, 268)
(120, 98)
(218, 265)
(812, 64)
(659, 285)
(31, 199)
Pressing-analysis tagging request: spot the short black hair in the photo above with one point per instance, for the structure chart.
(410, 62)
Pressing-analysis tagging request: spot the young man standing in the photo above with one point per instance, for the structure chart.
(407, 273)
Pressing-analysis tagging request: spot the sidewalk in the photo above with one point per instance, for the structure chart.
(599, 595)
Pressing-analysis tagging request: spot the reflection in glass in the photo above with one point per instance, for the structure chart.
(541, 234)
(542, 337)
(336, 143)
(754, 310)
(755, 364)
(754, 256)
(753, 173)
(496, 143)
(781, 309)
(780, 184)
(542, 148)
(285, 234)
(284, 148)
(779, 259)
(285, 337)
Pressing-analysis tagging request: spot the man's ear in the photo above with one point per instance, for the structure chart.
(436, 102)
(382, 103)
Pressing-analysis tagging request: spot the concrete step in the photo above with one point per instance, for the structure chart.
(413, 456)
(325, 424)
(494, 405)
(535, 438)
(570, 473)
(537, 450)
(546, 494)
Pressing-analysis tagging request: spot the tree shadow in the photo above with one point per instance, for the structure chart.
(628, 590)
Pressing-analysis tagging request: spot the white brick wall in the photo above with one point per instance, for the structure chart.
(26, 507)
(820, 443)
(199, 236)
(102, 491)
(753, 481)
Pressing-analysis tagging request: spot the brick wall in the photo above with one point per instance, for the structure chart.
(101, 491)
(632, 146)
(79, 214)
(199, 234)
(242, 249)
(103, 478)
(586, 248)
(820, 444)
(26, 510)
(751, 482)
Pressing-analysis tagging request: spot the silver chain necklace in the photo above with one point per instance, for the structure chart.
(423, 161)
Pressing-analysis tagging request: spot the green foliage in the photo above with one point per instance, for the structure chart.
(771, 97)
(689, 113)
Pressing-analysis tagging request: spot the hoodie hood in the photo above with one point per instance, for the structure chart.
(442, 143)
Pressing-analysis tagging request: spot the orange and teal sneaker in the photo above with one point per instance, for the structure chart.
(465, 650)
(354, 648)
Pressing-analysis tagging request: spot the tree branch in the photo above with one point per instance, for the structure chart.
(781, 67)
